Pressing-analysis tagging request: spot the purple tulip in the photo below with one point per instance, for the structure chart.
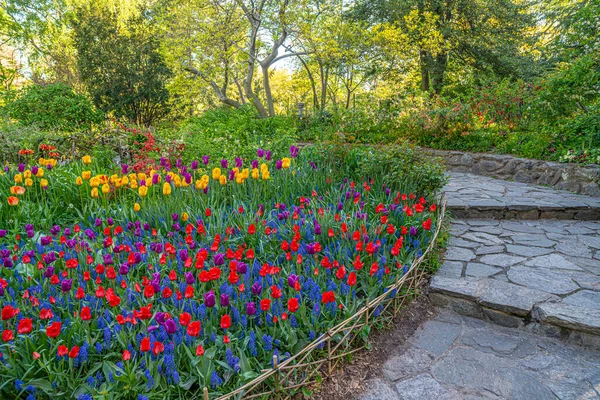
(2, 232)
(219, 259)
(189, 278)
(268, 156)
(224, 300)
(21, 167)
(194, 164)
(294, 151)
(35, 169)
(205, 160)
(242, 268)
(170, 326)
(251, 308)
(239, 162)
(124, 169)
(254, 163)
(292, 280)
(256, 289)
(224, 163)
(65, 285)
(124, 269)
(209, 299)
(159, 317)
(260, 153)
(413, 231)
(278, 164)
(45, 240)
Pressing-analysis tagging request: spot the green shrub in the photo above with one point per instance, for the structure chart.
(53, 107)
(398, 166)
(229, 133)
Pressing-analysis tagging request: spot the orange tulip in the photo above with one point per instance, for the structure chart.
(18, 190)
(13, 201)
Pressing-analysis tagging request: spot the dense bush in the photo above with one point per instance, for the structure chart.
(226, 133)
(53, 107)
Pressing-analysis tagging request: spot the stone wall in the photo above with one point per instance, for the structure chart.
(573, 177)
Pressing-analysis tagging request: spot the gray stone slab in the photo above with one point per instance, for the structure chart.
(532, 240)
(410, 362)
(569, 316)
(584, 299)
(542, 279)
(575, 249)
(511, 298)
(501, 260)
(423, 387)
(478, 270)
(459, 254)
(450, 269)
(553, 261)
(527, 251)
(455, 287)
(504, 345)
(378, 389)
(483, 238)
(475, 370)
(483, 250)
(436, 337)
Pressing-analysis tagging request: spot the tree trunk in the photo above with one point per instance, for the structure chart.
(268, 94)
(438, 70)
(424, 70)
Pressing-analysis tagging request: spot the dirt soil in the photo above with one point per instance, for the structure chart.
(349, 379)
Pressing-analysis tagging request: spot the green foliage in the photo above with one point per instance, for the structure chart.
(399, 165)
(53, 107)
(227, 132)
(123, 70)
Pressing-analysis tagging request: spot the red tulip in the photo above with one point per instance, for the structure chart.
(8, 312)
(328, 297)
(85, 314)
(7, 335)
(24, 326)
(158, 348)
(225, 321)
(193, 328)
(145, 345)
(352, 279)
(427, 224)
(54, 329)
(293, 304)
(126, 355)
(62, 350)
(184, 318)
(74, 352)
(265, 304)
(199, 350)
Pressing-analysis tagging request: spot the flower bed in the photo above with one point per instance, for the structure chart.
(196, 281)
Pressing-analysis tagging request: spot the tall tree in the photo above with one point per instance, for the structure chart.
(484, 35)
(122, 68)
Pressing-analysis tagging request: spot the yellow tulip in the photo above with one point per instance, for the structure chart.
(124, 180)
(42, 161)
(106, 188)
(86, 175)
(40, 173)
(94, 192)
(94, 182)
(51, 161)
(245, 173)
(265, 174)
(28, 182)
(216, 173)
(141, 176)
(255, 173)
(86, 159)
(113, 178)
(43, 183)
(223, 180)
(133, 185)
(79, 181)
(18, 178)
(167, 188)
(136, 207)
(263, 167)
(286, 162)
(27, 174)
(185, 217)
(143, 191)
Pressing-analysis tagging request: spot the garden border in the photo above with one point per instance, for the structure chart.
(297, 372)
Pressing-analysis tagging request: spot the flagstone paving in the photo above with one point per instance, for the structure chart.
(518, 299)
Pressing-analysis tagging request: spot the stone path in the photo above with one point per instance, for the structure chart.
(518, 299)
(458, 357)
(473, 196)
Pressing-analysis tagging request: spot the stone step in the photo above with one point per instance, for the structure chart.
(479, 197)
(515, 306)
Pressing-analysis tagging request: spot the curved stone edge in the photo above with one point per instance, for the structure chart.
(515, 306)
(572, 177)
